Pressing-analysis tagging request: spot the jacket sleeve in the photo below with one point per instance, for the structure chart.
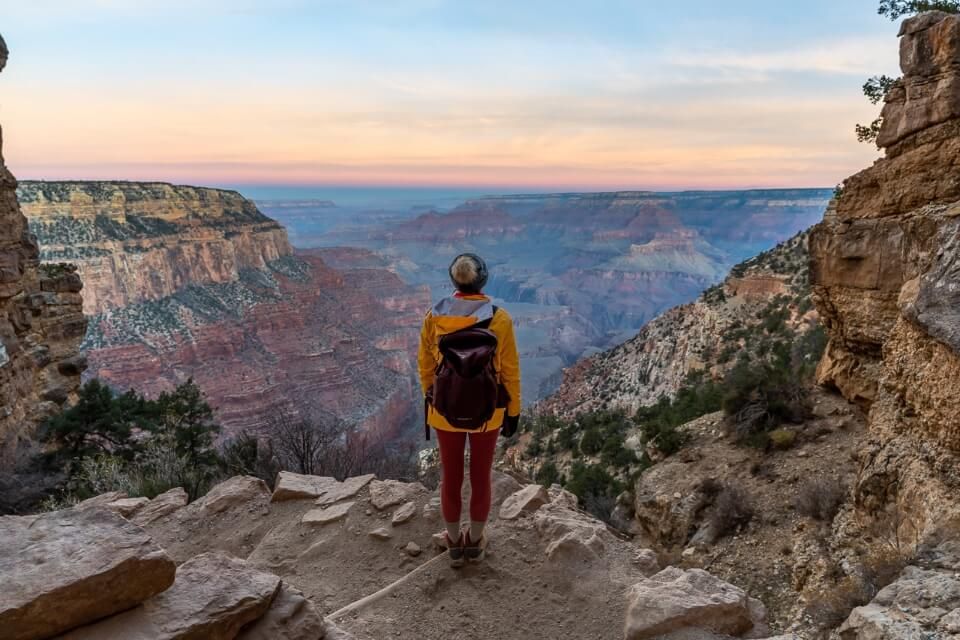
(509, 364)
(426, 360)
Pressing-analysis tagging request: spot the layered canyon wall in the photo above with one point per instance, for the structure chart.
(186, 282)
(886, 276)
(702, 337)
(144, 241)
(41, 323)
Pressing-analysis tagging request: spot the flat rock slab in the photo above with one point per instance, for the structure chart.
(343, 490)
(675, 599)
(290, 617)
(404, 514)
(64, 569)
(327, 514)
(527, 500)
(297, 486)
(161, 506)
(230, 493)
(213, 598)
(389, 493)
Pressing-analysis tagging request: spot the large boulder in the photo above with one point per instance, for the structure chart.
(674, 599)
(67, 568)
(290, 617)
(213, 598)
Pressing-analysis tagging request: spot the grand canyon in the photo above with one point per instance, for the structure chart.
(740, 420)
(188, 282)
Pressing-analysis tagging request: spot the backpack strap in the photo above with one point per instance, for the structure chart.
(485, 324)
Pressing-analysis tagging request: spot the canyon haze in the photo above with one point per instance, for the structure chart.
(580, 272)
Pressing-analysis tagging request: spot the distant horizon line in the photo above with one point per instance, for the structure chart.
(499, 190)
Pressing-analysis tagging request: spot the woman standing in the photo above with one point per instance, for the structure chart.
(470, 374)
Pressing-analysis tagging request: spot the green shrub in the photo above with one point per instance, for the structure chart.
(591, 442)
(548, 474)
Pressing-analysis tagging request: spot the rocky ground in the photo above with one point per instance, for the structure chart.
(676, 503)
(362, 553)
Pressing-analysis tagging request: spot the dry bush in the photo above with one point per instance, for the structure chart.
(881, 568)
(833, 605)
(710, 487)
(874, 572)
(733, 509)
(896, 530)
(323, 445)
(821, 499)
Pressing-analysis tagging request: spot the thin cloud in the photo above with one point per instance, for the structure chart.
(855, 56)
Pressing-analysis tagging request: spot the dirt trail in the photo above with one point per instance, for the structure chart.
(554, 573)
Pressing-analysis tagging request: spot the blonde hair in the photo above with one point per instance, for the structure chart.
(464, 272)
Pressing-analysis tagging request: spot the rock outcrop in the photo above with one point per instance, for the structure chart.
(885, 274)
(41, 324)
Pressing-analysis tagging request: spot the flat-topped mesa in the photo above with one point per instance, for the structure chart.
(41, 323)
(135, 241)
(886, 270)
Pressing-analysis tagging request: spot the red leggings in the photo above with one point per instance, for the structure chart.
(483, 446)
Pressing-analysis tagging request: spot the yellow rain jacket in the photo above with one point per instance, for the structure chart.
(459, 312)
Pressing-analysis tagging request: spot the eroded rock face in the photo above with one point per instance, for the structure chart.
(886, 275)
(67, 568)
(41, 324)
(214, 597)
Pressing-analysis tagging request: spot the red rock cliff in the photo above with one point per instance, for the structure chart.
(143, 241)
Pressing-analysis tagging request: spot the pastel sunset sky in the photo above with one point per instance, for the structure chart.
(521, 94)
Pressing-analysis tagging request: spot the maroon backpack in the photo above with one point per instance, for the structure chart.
(466, 391)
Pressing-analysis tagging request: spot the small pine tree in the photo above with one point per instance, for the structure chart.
(186, 420)
(100, 422)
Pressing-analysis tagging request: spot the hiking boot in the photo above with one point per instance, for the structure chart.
(474, 551)
(455, 549)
